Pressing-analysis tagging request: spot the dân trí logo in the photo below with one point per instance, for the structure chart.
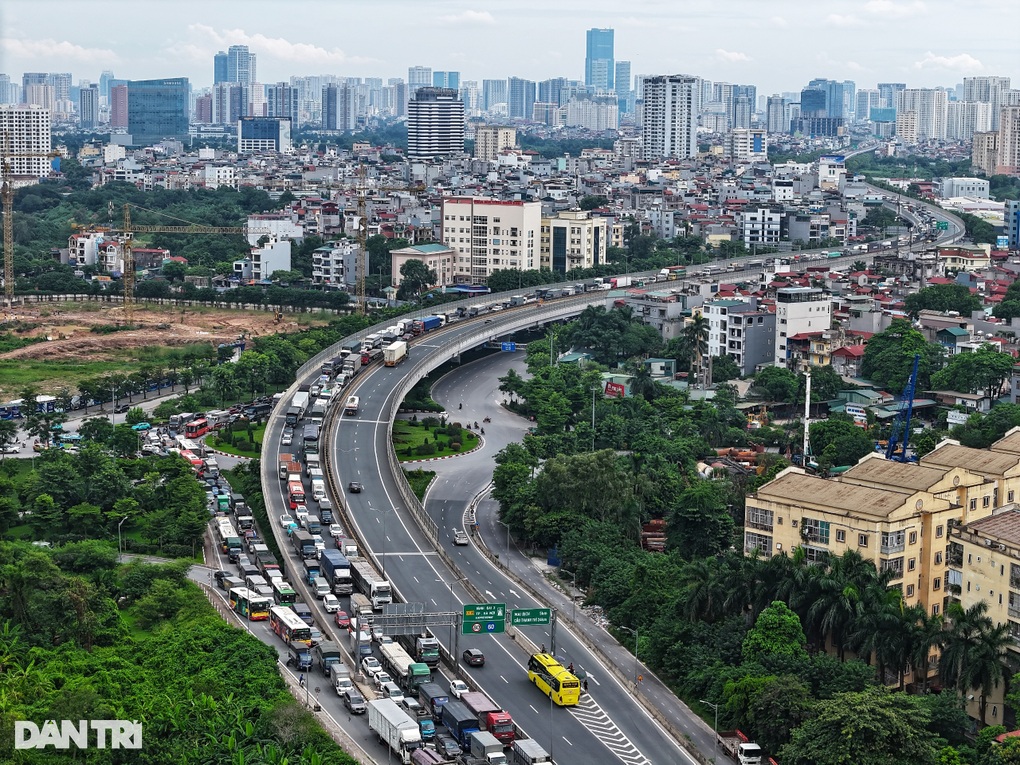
(108, 734)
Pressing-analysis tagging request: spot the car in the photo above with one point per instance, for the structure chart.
(473, 657)
(458, 688)
(319, 544)
(447, 746)
(331, 603)
(354, 702)
(141, 426)
(342, 619)
(391, 691)
(377, 634)
(354, 487)
(10, 449)
(385, 640)
(301, 515)
(219, 576)
(121, 408)
(286, 520)
(381, 678)
(412, 706)
(287, 440)
(460, 537)
(336, 530)
(370, 665)
(316, 635)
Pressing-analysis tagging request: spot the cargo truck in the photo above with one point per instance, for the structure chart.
(394, 353)
(491, 717)
(371, 584)
(527, 751)
(426, 324)
(293, 415)
(285, 462)
(395, 728)
(620, 281)
(312, 570)
(433, 696)
(336, 569)
(303, 543)
(487, 748)
(351, 366)
(740, 748)
(318, 411)
(328, 657)
(348, 547)
(351, 406)
(361, 639)
(423, 648)
(461, 723)
(361, 607)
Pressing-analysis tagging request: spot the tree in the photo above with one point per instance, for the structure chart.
(700, 523)
(641, 382)
(252, 369)
(696, 332)
(8, 434)
(777, 709)
(724, 368)
(943, 298)
(135, 415)
(173, 271)
(591, 202)
(415, 277)
(124, 441)
(972, 657)
(776, 384)
(889, 357)
(985, 370)
(777, 632)
(838, 441)
(872, 726)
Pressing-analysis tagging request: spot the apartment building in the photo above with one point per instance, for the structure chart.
(799, 310)
(264, 261)
(573, 239)
(335, 263)
(490, 140)
(669, 118)
(491, 234)
(28, 140)
(436, 257)
(742, 330)
(760, 226)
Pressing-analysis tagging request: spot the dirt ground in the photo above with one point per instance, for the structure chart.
(67, 325)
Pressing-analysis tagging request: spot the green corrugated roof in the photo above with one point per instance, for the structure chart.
(958, 331)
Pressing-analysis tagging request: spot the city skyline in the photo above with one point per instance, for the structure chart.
(925, 43)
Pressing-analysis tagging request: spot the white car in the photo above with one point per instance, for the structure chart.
(458, 688)
(320, 546)
(381, 678)
(301, 515)
(10, 449)
(377, 634)
(343, 683)
(385, 640)
(460, 537)
(285, 520)
(370, 666)
(336, 530)
(331, 603)
(287, 440)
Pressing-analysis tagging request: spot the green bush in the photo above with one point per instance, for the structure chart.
(425, 450)
(431, 422)
(244, 445)
(455, 446)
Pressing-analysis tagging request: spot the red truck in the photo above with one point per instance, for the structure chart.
(490, 716)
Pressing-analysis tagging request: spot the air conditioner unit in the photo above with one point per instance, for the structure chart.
(988, 543)
(779, 545)
(1002, 547)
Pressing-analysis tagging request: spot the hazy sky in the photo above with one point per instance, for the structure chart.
(774, 44)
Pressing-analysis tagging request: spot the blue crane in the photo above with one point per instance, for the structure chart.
(899, 436)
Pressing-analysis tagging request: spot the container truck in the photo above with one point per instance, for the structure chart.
(394, 353)
(375, 588)
(336, 569)
(461, 723)
(740, 748)
(328, 657)
(433, 696)
(487, 748)
(303, 543)
(620, 281)
(351, 367)
(491, 717)
(426, 324)
(395, 728)
(312, 570)
(527, 751)
(423, 648)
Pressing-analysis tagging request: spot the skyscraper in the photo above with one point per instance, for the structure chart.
(240, 65)
(419, 77)
(813, 102)
(29, 130)
(931, 110)
(282, 101)
(88, 107)
(775, 115)
(104, 85)
(867, 99)
(493, 92)
(669, 122)
(520, 98)
(599, 63)
(446, 80)
(118, 106)
(1009, 141)
(887, 93)
(7, 90)
(435, 123)
(339, 107)
(991, 90)
(622, 85)
(157, 109)
(220, 68)
(550, 91)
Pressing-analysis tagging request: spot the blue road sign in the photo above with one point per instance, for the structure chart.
(508, 347)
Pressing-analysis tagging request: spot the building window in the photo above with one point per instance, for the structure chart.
(936, 583)
(938, 559)
(911, 564)
(910, 590)
(895, 565)
(973, 504)
(815, 530)
(913, 537)
(862, 540)
(935, 610)
(753, 541)
(985, 501)
(939, 531)
(759, 518)
(892, 541)
(840, 535)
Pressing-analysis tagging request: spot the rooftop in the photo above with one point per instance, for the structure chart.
(980, 461)
(1004, 526)
(834, 496)
(899, 475)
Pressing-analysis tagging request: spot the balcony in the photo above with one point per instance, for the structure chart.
(892, 548)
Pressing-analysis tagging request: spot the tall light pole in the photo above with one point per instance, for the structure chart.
(715, 728)
(573, 600)
(456, 659)
(637, 639)
(507, 541)
(594, 389)
(118, 533)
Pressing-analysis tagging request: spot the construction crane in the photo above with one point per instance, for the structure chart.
(129, 230)
(899, 436)
(7, 194)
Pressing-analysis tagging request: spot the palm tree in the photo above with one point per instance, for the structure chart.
(926, 633)
(641, 382)
(704, 589)
(697, 334)
(974, 647)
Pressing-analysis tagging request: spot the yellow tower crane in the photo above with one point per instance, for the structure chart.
(7, 195)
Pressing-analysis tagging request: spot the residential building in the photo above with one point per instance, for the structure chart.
(88, 107)
(449, 80)
(867, 99)
(40, 94)
(264, 261)
(435, 123)
(888, 92)
(240, 65)
(520, 98)
(436, 257)
(760, 226)
(204, 110)
(157, 109)
(597, 113)
(491, 234)
(573, 239)
(335, 263)
(418, 77)
(742, 330)
(282, 101)
(1012, 222)
(776, 116)
(229, 103)
(831, 172)
(665, 310)
(669, 118)
(931, 109)
(490, 140)
(277, 226)
(990, 90)
(118, 106)
(599, 66)
(984, 153)
(493, 92)
(256, 135)
(799, 309)
(1008, 161)
(26, 131)
(964, 118)
(9, 91)
(747, 145)
(83, 249)
(624, 92)
(339, 107)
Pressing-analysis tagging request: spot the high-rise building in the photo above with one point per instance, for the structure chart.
(282, 101)
(964, 118)
(220, 68)
(775, 115)
(157, 109)
(418, 77)
(493, 92)
(204, 110)
(229, 103)
(339, 107)
(471, 96)
(1009, 141)
(88, 107)
(449, 80)
(6, 90)
(28, 132)
(813, 102)
(741, 106)
(839, 98)
(491, 234)
(984, 152)
(799, 309)
(867, 99)
(747, 145)
(669, 120)
(520, 98)
(240, 65)
(490, 140)
(622, 86)
(599, 64)
(262, 134)
(119, 106)
(104, 85)
(573, 239)
(551, 91)
(888, 92)
(990, 90)
(930, 106)
(435, 123)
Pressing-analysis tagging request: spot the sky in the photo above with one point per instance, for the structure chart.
(777, 45)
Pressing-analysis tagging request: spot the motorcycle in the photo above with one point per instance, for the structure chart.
(487, 419)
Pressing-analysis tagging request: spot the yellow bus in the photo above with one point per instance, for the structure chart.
(553, 679)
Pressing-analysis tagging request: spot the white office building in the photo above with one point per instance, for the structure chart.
(28, 129)
(760, 226)
(490, 234)
(799, 309)
(669, 116)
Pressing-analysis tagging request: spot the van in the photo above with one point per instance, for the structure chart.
(303, 612)
(392, 691)
(321, 587)
(251, 582)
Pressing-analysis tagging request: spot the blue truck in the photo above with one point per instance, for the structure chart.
(312, 570)
(461, 723)
(336, 569)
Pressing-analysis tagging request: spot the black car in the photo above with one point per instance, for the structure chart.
(354, 487)
(354, 702)
(473, 657)
(121, 408)
(219, 576)
(447, 746)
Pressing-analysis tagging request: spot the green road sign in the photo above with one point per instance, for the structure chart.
(942, 225)
(522, 617)
(480, 618)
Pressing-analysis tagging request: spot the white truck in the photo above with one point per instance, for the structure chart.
(487, 747)
(527, 751)
(368, 582)
(394, 353)
(395, 728)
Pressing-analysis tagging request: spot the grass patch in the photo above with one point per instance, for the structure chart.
(15, 466)
(418, 439)
(241, 446)
(419, 480)
(46, 375)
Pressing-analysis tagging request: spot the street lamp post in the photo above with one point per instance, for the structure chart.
(507, 541)
(118, 533)
(715, 727)
(594, 389)
(637, 639)
(453, 653)
(573, 600)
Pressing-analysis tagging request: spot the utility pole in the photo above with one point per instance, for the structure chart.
(807, 414)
